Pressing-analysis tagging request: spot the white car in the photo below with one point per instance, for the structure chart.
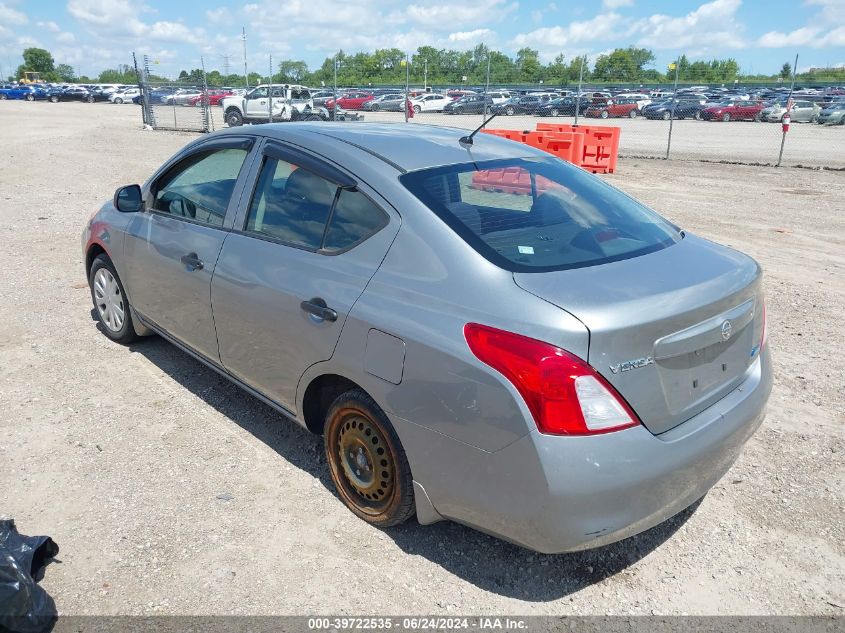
(430, 103)
(124, 96)
(641, 98)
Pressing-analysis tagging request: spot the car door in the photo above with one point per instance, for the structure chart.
(170, 249)
(302, 251)
(257, 103)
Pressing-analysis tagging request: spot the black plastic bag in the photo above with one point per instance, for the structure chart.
(24, 606)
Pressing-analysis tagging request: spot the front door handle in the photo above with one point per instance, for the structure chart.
(192, 262)
(318, 308)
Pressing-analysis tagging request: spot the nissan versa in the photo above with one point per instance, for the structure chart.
(552, 363)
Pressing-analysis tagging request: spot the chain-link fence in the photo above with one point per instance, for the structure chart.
(693, 116)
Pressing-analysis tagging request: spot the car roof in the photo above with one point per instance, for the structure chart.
(407, 147)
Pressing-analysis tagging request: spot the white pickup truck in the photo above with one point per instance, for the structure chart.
(279, 102)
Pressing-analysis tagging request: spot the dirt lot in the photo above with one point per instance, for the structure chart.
(171, 491)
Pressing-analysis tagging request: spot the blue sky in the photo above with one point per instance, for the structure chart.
(95, 34)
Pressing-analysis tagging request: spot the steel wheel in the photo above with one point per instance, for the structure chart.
(366, 461)
(109, 300)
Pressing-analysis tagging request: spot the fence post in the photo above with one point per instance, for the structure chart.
(407, 81)
(484, 112)
(270, 94)
(334, 109)
(140, 89)
(788, 99)
(672, 109)
(204, 100)
(578, 96)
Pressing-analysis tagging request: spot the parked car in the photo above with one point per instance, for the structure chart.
(124, 96)
(351, 101)
(392, 102)
(26, 92)
(802, 111)
(182, 96)
(159, 95)
(499, 96)
(470, 104)
(833, 114)
(430, 102)
(211, 97)
(733, 111)
(526, 104)
(564, 106)
(677, 109)
(454, 95)
(482, 358)
(76, 93)
(614, 108)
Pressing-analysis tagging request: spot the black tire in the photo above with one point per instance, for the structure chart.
(554, 112)
(758, 118)
(30, 97)
(604, 114)
(3, 96)
(126, 333)
(90, 99)
(510, 111)
(234, 118)
(667, 115)
(726, 118)
(354, 420)
(697, 116)
(375, 107)
(118, 100)
(54, 99)
(417, 109)
(458, 110)
(633, 114)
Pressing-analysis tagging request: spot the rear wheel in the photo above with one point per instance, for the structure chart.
(633, 114)
(667, 115)
(604, 114)
(234, 118)
(118, 100)
(554, 112)
(375, 107)
(54, 99)
(697, 116)
(510, 111)
(110, 301)
(726, 118)
(366, 461)
(30, 97)
(90, 99)
(417, 109)
(3, 96)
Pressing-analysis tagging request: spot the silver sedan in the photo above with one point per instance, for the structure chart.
(479, 331)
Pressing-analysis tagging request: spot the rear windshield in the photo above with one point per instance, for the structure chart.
(528, 215)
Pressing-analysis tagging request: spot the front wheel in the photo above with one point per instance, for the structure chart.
(633, 114)
(726, 118)
(374, 108)
(510, 111)
(118, 100)
(90, 99)
(30, 97)
(604, 114)
(417, 109)
(366, 461)
(697, 116)
(110, 301)
(3, 96)
(554, 112)
(234, 118)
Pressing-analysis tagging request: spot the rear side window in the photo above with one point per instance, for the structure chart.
(300, 208)
(199, 188)
(529, 215)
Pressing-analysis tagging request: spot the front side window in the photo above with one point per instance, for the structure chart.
(298, 207)
(528, 215)
(199, 188)
(258, 93)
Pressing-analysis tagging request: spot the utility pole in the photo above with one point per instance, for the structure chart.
(226, 64)
(246, 76)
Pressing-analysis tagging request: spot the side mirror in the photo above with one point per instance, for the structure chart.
(128, 199)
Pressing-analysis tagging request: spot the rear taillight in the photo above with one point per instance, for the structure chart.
(564, 394)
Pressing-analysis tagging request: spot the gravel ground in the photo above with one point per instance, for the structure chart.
(172, 492)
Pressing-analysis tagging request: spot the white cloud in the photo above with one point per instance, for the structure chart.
(554, 39)
(466, 12)
(8, 15)
(66, 38)
(478, 35)
(617, 4)
(49, 26)
(218, 15)
(824, 29)
(712, 26)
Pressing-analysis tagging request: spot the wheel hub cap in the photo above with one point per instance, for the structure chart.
(109, 300)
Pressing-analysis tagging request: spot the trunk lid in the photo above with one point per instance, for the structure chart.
(673, 331)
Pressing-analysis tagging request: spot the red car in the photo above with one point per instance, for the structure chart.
(351, 101)
(614, 108)
(213, 97)
(733, 111)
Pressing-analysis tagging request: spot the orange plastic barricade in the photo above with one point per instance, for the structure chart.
(601, 144)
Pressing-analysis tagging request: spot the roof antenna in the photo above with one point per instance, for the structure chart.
(467, 140)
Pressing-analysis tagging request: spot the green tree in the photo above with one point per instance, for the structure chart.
(623, 64)
(528, 64)
(37, 60)
(785, 70)
(65, 72)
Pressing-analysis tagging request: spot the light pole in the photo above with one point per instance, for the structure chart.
(243, 38)
(425, 76)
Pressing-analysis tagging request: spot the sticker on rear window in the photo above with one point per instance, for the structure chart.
(526, 250)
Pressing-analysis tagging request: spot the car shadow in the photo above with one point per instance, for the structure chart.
(484, 561)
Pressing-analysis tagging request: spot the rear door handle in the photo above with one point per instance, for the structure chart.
(192, 262)
(318, 308)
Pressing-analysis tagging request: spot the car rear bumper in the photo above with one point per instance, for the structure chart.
(558, 494)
